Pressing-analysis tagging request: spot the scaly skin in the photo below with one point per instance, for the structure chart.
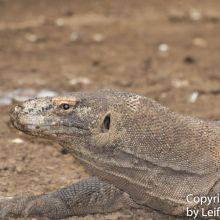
(140, 153)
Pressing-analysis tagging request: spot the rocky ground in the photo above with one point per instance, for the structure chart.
(167, 50)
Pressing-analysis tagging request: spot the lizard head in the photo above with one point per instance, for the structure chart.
(58, 118)
(86, 123)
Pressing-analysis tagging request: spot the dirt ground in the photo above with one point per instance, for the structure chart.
(167, 50)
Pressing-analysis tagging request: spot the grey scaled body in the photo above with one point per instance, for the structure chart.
(139, 153)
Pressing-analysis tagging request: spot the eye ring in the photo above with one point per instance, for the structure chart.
(65, 106)
(106, 123)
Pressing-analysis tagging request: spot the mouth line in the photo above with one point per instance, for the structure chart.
(35, 127)
(77, 126)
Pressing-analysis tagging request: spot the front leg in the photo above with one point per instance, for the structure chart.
(85, 197)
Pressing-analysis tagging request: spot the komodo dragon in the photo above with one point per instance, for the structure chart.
(140, 154)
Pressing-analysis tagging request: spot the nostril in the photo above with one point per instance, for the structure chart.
(18, 108)
(14, 111)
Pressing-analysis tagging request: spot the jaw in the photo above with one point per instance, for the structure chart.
(32, 129)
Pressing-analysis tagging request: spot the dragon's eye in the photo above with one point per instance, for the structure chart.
(106, 123)
(65, 106)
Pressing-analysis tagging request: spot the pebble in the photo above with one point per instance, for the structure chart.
(80, 80)
(193, 97)
(163, 47)
(31, 37)
(19, 169)
(179, 83)
(20, 95)
(74, 37)
(199, 42)
(46, 93)
(195, 14)
(189, 60)
(59, 22)
(98, 37)
(17, 141)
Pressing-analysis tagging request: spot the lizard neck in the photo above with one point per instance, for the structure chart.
(171, 140)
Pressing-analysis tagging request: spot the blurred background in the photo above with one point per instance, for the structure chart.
(166, 50)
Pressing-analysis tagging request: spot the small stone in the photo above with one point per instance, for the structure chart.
(195, 14)
(17, 141)
(46, 93)
(19, 169)
(59, 22)
(193, 97)
(98, 37)
(199, 42)
(163, 47)
(74, 37)
(31, 37)
(189, 60)
(80, 80)
(178, 83)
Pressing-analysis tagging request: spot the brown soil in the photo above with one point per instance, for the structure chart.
(115, 45)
